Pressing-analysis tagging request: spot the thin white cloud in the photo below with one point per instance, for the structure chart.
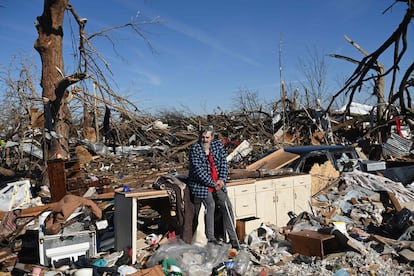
(193, 33)
(143, 77)
(207, 40)
(150, 78)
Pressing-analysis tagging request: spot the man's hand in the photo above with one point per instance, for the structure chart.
(219, 184)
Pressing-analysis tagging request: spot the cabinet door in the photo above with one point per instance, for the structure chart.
(265, 206)
(302, 198)
(265, 201)
(302, 192)
(284, 204)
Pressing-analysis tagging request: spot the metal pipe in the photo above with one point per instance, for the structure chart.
(231, 222)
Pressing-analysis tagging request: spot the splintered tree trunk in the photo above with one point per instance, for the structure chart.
(379, 87)
(49, 46)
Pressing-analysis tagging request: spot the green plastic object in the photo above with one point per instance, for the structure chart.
(171, 267)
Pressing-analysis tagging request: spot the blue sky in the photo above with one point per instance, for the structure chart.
(207, 51)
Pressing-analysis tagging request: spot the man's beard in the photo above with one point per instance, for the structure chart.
(206, 146)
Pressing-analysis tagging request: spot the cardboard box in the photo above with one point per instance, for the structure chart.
(152, 271)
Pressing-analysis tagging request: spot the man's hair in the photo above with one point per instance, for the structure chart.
(207, 129)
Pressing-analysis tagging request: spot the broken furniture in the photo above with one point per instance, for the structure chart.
(269, 199)
(72, 242)
(126, 217)
(246, 226)
(60, 172)
(254, 201)
(313, 243)
(65, 177)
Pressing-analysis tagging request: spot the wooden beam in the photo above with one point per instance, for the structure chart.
(275, 160)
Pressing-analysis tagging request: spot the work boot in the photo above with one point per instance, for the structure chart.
(220, 241)
(212, 242)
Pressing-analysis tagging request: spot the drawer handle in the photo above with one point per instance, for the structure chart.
(244, 191)
(245, 205)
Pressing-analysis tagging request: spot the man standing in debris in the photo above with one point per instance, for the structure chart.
(208, 171)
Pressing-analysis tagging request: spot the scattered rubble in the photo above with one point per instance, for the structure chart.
(360, 225)
(58, 187)
(360, 221)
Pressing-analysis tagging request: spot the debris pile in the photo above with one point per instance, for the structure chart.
(359, 222)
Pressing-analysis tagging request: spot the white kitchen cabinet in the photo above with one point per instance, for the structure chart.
(284, 199)
(276, 197)
(266, 201)
(302, 193)
(243, 199)
(230, 194)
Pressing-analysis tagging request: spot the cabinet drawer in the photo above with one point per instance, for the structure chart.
(284, 182)
(300, 180)
(244, 189)
(244, 206)
(264, 185)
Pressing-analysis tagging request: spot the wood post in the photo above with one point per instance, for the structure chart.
(57, 179)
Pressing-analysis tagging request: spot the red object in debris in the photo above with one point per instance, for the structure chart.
(172, 236)
(130, 253)
(236, 143)
(263, 272)
(225, 141)
(398, 125)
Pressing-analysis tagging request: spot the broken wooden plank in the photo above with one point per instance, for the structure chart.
(407, 253)
(240, 182)
(331, 214)
(275, 160)
(32, 211)
(144, 193)
(394, 201)
(242, 174)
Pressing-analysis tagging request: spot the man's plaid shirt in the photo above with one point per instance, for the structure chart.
(199, 169)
